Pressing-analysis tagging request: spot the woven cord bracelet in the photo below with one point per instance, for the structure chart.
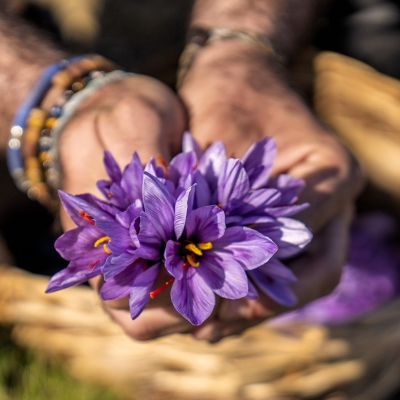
(199, 37)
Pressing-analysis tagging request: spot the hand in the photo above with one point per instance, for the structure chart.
(240, 99)
(136, 114)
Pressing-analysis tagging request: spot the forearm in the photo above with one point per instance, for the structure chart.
(286, 22)
(24, 55)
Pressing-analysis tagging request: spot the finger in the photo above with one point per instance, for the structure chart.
(215, 330)
(152, 322)
(319, 273)
(332, 179)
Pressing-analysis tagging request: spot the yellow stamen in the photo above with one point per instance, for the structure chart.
(205, 246)
(106, 249)
(194, 249)
(103, 239)
(191, 259)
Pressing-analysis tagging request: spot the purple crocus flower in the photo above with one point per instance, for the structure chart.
(125, 273)
(251, 197)
(201, 253)
(85, 247)
(216, 225)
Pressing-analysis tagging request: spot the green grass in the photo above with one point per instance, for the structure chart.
(24, 376)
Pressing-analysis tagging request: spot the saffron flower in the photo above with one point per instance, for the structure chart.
(85, 247)
(201, 253)
(209, 224)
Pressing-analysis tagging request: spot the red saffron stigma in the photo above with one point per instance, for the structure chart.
(93, 265)
(86, 217)
(159, 290)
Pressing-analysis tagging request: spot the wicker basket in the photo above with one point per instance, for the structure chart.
(360, 361)
(296, 362)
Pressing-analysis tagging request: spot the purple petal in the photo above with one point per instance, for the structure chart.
(286, 211)
(279, 271)
(202, 194)
(224, 275)
(75, 205)
(290, 235)
(158, 206)
(256, 202)
(190, 144)
(173, 261)
(290, 187)
(211, 163)
(78, 242)
(151, 238)
(280, 292)
(233, 182)
(132, 178)
(112, 167)
(206, 224)
(249, 247)
(120, 238)
(143, 285)
(104, 187)
(126, 218)
(258, 162)
(253, 293)
(192, 297)
(183, 206)
(76, 273)
(116, 264)
(182, 164)
(121, 284)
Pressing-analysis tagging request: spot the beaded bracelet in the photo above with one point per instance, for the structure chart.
(31, 131)
(54, 167)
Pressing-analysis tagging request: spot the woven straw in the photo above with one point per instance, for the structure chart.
(363, 107)
(360, 361)
(297, 362)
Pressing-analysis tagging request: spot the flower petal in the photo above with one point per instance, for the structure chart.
(142, 286)
(256, 201)
(158, 206)
(173, 261)
(75, 205)
(280, 292)
(120, 285)
(278, 271)
(76, 273)
(253, 293)
(206, 224)
(192, 297)
(183, 206)
(286, 211)
(290, 235)
(233, 182)
(224, 275)
(249, 247)
(290, 187)
(116, 264)
(112, 167)
(202, 194)
(120, 238)
(258, 162)
(132, 178)
(189, 144)
(78, 242)
(182, 165)
(211, 163)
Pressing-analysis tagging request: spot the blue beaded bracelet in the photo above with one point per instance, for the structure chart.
(15, 160)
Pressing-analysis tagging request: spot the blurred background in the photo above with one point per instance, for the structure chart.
(350, 76)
